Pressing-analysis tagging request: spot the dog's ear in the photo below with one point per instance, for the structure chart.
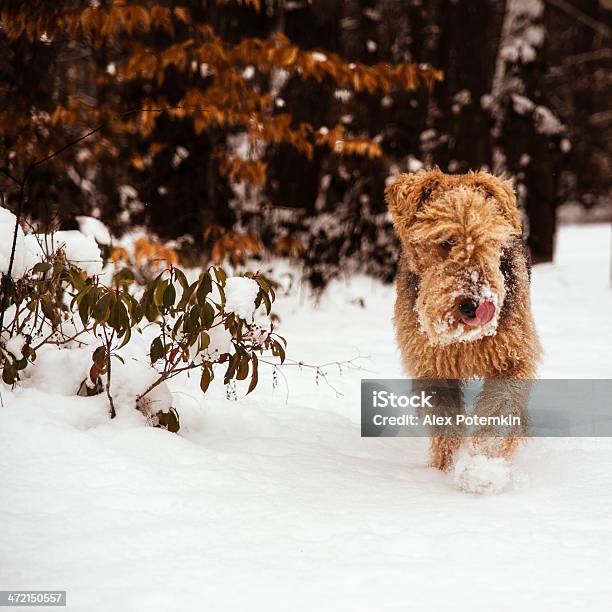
(503, 193)
(407, 193)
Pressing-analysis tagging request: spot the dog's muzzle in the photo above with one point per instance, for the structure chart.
(475, 314)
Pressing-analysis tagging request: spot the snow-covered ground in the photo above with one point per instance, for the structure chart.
(271, 503)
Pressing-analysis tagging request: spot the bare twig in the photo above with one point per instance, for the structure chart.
(588, 56)
(9, 175)
(166, 375)
(62, 341)
(578, 15)
(349, 364)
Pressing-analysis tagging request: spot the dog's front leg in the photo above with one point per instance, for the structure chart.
(501, 410)
(485, 465)
(441, 418)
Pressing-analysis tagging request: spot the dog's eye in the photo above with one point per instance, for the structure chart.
(446, 245)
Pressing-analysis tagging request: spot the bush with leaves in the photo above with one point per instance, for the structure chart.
(56, 303)
(34, 310)
(186, 315)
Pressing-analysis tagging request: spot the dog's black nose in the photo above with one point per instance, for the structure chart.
(468, 308)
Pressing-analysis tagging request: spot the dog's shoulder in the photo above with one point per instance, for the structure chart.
(407, 282)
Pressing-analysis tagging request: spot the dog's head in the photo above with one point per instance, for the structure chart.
(454, 230)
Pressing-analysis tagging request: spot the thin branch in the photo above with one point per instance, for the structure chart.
(166, 375)
(349, 364)
(578, 15)
(9, 175)
(588, 56)
(38, 162)
(91, 133)
(62, 341)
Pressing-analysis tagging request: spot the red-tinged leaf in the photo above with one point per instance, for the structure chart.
(99, 356)
(173, 354)
(94, 373)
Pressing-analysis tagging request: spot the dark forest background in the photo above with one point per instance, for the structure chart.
(244, 128)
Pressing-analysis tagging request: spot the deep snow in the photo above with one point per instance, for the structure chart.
(274, 505)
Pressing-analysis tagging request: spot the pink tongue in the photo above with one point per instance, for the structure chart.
(485, 312)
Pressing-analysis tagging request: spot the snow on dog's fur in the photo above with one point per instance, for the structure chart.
(463, 306)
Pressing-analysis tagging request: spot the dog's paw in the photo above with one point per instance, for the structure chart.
(474, 473)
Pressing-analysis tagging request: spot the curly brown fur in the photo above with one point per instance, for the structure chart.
(461, 238)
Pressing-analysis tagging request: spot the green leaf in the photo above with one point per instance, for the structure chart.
(151, 311)
(231, 367)
(169, 420)
(266, 299)
(80, 296)
(177, 326)
(152, 286)
(41, 267)
(86, 300)
(208, 316)
(158, 295)
(169, 296)
(157, 350)
(9, 373)
(137, 313)
(267, 286)
(221, 293)
(186, 297)
(207, 376)
(77, 280)
(221, 275)
(112, 318)
(102, 309)
(204, 341)
(181, 278)
(173, 423)
(121, 322)
(126, 337)
(124, 276)
(194, 318)
(204, 288)
(135, 309)
(47, 309)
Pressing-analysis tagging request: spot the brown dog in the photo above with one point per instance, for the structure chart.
(463, 307)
